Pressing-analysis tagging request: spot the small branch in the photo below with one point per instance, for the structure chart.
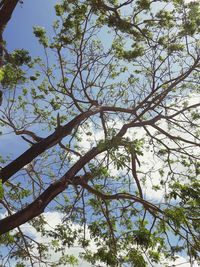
(79, 180)
(134, 173)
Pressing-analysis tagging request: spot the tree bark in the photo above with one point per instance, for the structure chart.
(38, 206)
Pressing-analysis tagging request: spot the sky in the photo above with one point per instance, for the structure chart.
(19, 34)
(19, 31)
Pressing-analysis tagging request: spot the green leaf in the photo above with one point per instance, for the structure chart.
(1, 74)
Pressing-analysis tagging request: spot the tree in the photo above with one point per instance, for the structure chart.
(124, 76)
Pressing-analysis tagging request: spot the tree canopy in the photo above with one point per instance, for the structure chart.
(108, 120)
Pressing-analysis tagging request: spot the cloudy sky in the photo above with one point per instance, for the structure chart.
(54, 218)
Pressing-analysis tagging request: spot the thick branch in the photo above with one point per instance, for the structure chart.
(34, 209)
(38, 206)
(57, 136)
(43, 145)
(6, 9)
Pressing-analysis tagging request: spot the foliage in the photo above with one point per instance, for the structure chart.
(109, 118)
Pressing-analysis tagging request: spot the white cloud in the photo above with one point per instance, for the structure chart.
(188, 1)
(180, 261)
(55, 218)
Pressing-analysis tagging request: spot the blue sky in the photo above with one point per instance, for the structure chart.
(19, 31)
